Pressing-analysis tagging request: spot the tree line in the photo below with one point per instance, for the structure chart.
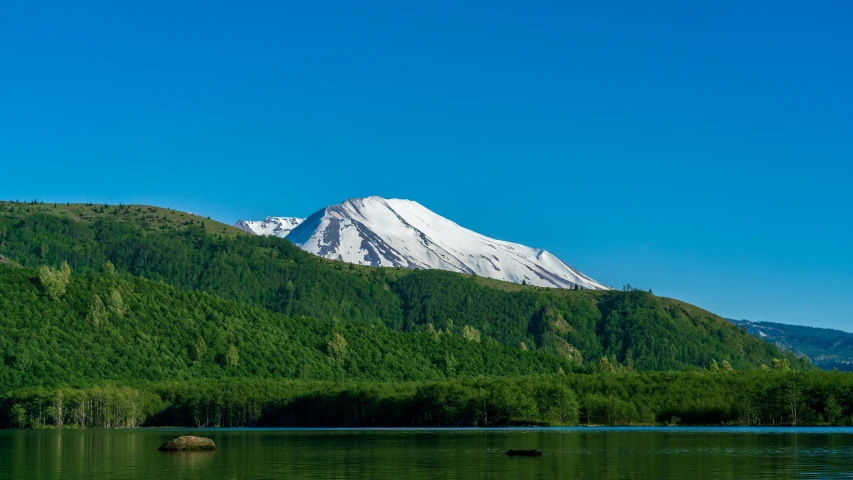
(768, 398)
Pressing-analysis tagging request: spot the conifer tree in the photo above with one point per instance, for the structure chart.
(604, 366)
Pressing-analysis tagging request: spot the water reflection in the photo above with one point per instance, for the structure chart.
(191, 460)
(568, 453)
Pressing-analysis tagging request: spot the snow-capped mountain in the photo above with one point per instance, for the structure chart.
(275, 226)
(402, 233)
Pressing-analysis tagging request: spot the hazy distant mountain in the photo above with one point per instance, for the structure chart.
(825, 347)
(402, 233)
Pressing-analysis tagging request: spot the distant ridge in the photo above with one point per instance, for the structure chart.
(825, 347)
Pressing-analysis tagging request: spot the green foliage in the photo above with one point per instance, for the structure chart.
(686, 398)
(109, 269)
(153, 219)
(55, 281)
(100, 407)
(556, 404)
(832, 410)
(18, 416)
(200, 348)
(637, 329)
(22, 358)
(167, 333)
(633, 329)
(610, 410)
(97, 311)
(265, 271)
(115, 303)
(337, 347)
(471, 334)
(781, 364)
(604, 366)
(232, 357)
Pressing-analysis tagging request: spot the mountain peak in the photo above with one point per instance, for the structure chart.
(403, 233)
(273, 226)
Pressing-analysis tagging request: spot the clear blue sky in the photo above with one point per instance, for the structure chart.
(701, 151)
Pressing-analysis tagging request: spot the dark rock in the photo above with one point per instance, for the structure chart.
(524, 453)
(188, 444)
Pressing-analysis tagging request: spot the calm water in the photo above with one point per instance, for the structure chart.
(456, 454)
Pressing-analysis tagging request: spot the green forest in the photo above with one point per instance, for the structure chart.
(636, 329)
(757, 397)
(115, 316)
(106, 326)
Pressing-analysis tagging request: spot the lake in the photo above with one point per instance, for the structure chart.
(440, 453)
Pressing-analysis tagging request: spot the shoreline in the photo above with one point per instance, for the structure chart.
(571, 428)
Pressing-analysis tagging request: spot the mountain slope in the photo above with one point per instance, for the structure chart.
(652, 332)
(402, 233)
(827, 348)
(271, 226)
(149, 331)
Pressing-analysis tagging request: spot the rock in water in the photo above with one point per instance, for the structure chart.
(188, 444)
(524, 453)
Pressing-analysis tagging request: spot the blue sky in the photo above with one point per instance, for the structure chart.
(701, 151)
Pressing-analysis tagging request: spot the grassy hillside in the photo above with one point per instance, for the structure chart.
(147, 217)
(106, 327)
(634, 330)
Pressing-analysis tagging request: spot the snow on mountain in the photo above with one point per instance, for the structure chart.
(402, 233)
(275, 226)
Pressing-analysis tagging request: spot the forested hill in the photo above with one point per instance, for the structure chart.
(146, 217)
(106, 326)
(633, 329)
